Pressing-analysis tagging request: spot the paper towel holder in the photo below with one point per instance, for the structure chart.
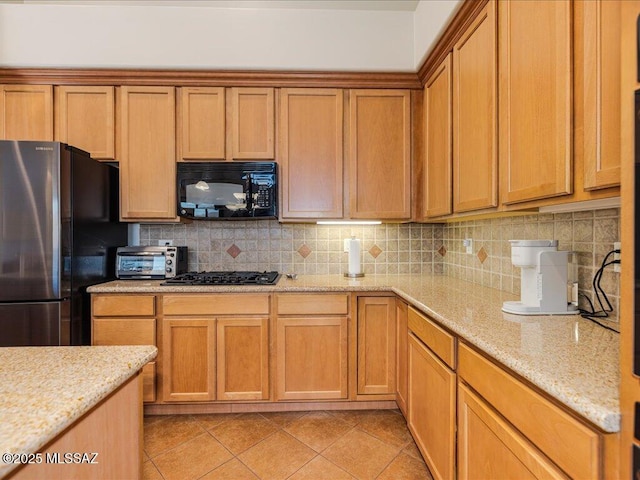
(352, 246)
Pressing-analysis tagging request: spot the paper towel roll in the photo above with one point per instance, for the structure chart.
(354, 256)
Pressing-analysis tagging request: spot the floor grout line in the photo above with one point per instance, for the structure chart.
(357, 422)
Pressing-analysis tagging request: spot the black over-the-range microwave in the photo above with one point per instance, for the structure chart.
(227, 190)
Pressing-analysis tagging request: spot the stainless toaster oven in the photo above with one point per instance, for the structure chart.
(151, 262)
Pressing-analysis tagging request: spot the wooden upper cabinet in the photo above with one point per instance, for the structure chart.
(26, 112)
(597, 27)
(201, 123)
(85, 118)
(252, 124)
(475, 140)
(437, 142)
(146, 127)
(311, 153)
(535, 88)
(380, 154)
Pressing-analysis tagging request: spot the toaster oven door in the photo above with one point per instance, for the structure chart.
(141, 265)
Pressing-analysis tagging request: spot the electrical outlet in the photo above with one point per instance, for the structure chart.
(165, 243)
(467, 243)
(616, 256)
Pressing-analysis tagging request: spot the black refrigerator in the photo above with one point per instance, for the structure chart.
(59, 229)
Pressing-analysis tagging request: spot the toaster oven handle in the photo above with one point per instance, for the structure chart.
(138, 254)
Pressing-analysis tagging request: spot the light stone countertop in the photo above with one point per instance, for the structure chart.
(44, 390)
(572, 359)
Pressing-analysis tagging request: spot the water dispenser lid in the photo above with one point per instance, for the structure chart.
(534, 243)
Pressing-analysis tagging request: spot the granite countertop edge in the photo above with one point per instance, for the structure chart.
(34, 405)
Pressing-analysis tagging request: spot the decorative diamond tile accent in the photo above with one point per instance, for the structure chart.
(304, 250)
(234, 250)
(482, 255)
(442, 251)
(375, 251)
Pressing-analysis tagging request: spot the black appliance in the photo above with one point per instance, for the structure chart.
(59, 229)
(224, 278)
(227, 191)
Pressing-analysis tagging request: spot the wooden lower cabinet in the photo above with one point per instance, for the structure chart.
(242, 359)
(573, 446)
(376, 345)
(188, 356)
(488, 447)
(112, 429)
(127, 320)
(311, 358)
(402, 356)
(432, 409)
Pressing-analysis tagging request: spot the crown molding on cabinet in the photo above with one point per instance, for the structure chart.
(465, 14)
(209, 78)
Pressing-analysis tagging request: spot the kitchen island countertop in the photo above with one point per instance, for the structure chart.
(572, 359)
(44, 390)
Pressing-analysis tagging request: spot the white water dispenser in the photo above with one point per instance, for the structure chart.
(544, 273)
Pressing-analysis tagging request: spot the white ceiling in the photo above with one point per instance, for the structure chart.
(386, 5)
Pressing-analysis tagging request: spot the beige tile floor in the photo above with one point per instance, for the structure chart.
(319, 445)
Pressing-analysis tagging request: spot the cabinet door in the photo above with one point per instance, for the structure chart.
(599, 23)
(376, 345)
(535, 100)
(26, 112)
(147, 153)
(488, 447)
(437, 158)
(311, 358)
(201, 123)
(188, 360)
(311, 153)
(85, 118)
(402, 356)
(380, 154)
(252, 124)
(432, 409)
(243, 359)
(475, 100)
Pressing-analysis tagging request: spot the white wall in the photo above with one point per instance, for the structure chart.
(430, 18)
(208, 37)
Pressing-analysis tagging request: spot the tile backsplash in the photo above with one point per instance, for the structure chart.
(302, 248)
(589, 233)
(401, 248)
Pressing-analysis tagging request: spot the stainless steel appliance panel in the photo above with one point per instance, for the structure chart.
(30, 228)
(35, 324)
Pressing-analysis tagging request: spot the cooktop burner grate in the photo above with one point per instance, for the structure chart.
(224, 278)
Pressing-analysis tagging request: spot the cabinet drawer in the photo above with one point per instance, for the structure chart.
(574, 447)
(314, 304)
(149, 382)
(132, 331)
(241, 304)
(488, 447)
(437, 339)
(123, 305)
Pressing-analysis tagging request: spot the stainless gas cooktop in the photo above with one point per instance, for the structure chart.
(224, 278)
